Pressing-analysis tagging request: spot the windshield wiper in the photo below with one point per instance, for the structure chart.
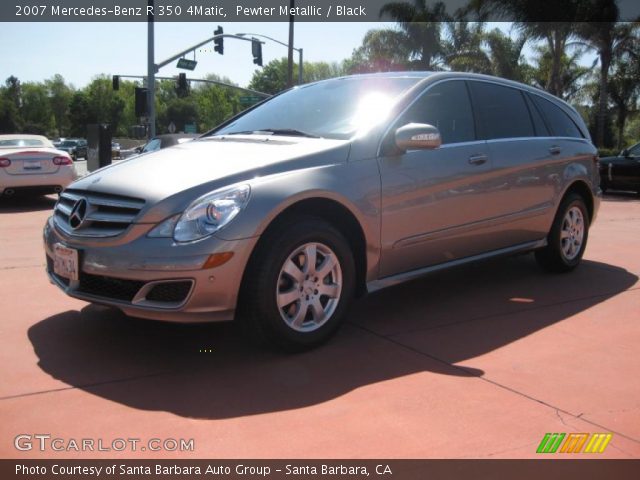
(276, 131)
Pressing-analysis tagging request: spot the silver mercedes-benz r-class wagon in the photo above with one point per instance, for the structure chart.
(281, 215)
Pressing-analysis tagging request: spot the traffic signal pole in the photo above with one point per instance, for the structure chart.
(153, 68)
(151, 73)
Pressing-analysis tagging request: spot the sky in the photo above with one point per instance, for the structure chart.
(80, 51)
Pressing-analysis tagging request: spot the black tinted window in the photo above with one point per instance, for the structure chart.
(447, 107)
(501, 111)
(538, 122)
(559, 122)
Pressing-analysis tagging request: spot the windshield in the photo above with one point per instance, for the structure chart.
(337, 108)
(69, 143)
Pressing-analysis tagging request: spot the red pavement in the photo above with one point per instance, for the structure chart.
(477, 362)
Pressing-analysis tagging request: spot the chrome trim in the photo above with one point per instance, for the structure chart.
(93, 223)
(410, 275)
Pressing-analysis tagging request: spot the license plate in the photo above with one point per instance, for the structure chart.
(31, 165)
(65, 262)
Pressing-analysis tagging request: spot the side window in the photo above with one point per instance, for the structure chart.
(538, 123)
(501, 111)
(559, 122)
(447, 107)
(635, 151)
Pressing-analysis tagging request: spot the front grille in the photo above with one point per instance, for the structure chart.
(104, 215)
(170, 292)
(109, 287)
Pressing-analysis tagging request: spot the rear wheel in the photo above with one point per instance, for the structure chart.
(298, 285)
(567, 239)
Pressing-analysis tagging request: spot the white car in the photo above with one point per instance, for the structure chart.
(31, 162)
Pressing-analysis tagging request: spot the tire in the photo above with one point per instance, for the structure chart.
(568, 237)
(282, 301)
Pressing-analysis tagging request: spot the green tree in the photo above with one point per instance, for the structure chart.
(60, 95)
(36, 109)
(10, 119)
(610, 40)
(537, 21)
(421, 25)
(463, 49)
(382, 50)
(624, 91)
(273, 77)
(79, 114)
(571, 82)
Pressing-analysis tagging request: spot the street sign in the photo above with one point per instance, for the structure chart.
(190, 128)
(187, 64)
(248, 100)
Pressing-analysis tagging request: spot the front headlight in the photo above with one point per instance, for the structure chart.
(206, 215)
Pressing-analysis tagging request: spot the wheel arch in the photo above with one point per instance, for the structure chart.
(338, 215)
(581, 187)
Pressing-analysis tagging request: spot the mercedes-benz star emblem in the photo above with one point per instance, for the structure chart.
(78, 213)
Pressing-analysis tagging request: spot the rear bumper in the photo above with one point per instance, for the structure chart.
(61, 179)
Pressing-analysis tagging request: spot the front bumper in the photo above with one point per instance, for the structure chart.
(154, 278)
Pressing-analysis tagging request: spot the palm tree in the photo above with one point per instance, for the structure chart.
(505, 55)
(610, 40)
(572, 77)
(421, 25)
(537, 21)
(624, 90)
(463, 48)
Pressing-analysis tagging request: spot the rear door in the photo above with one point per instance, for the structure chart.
(432, 200)
(521, 189)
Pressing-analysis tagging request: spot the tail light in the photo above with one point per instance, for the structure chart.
(5, 162)
(62, 161)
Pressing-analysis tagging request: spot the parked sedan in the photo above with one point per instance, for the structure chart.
(30, 162)
(621, 172)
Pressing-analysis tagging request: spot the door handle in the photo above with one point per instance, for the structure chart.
(477, 159)
(555, 150)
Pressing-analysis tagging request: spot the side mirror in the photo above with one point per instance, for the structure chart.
(418, 136)
(138, 149)
(624, 153)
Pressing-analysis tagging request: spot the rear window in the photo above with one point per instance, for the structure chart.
(22, 142)
(501, 111)
(558, 121)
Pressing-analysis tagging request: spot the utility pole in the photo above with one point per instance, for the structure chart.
(151, 72)
(290, 60)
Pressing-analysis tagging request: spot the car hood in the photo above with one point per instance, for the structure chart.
(211, 162)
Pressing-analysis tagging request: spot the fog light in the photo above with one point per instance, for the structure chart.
(217, 259)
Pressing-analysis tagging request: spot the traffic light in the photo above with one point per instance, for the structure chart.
(182, 87)
(218, 42)
(256, 50)
(141, 102)
(116, 82)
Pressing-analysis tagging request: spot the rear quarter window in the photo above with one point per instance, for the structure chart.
(559, 122)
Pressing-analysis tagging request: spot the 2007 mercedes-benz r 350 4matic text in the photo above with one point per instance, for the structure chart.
(281, 215)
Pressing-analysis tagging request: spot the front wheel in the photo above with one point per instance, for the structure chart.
(567, 239)
(298, 285)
